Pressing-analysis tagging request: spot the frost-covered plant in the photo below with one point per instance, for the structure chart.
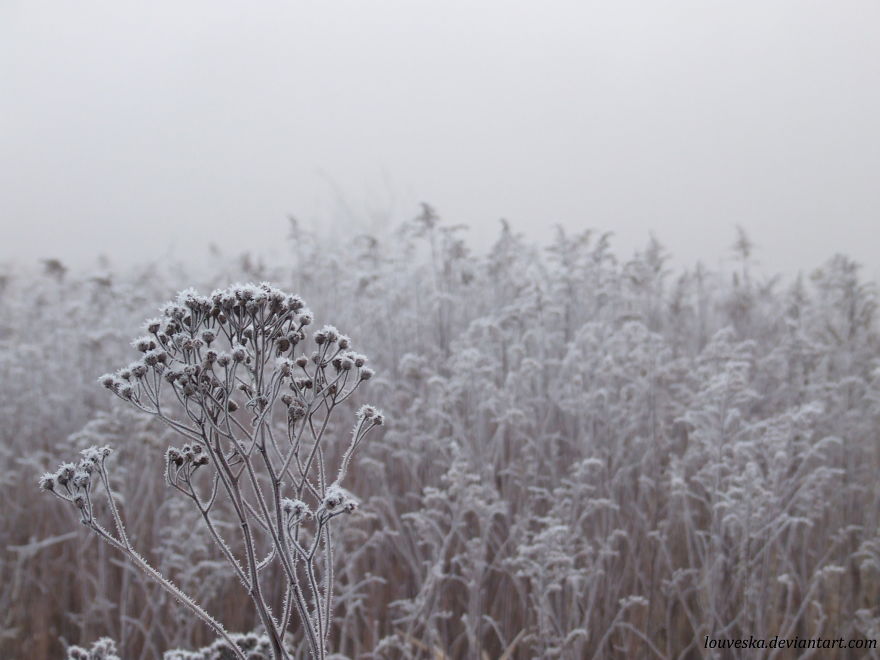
(103, 649)
(256, 647)
(251, 395)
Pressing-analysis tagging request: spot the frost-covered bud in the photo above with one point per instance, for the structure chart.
(346, 363)
(80, 501)
(187, 451)
(174, 311)
(283, 344)
(302, 361)
(331, 333)
(188, 298)
(344, 342)
(367, 412)
(125, 392)
(210, 356)
(295, 508)
(295, 303)
(65, 473)
(367, 373)
(296, 411)
(223, 359)
(320, 337)
(286, 399)
(189, 389)
(199, 303)
(337, 500)
(151, 359)
(47, 481)
(306, 318)
(333, 499)
(153, 325)
(359, 360)
(276, 299)
(172, 375)
(197, 343)
(138, 370)
(379, 419)
(232, 406)
(124, 373)
(239, 353)
(248, 333)
(92, 456)
(284, 366)
(200, 460)
(208, 336)
(303, 383)
(144, 344)
(108, 381)
(81, 479)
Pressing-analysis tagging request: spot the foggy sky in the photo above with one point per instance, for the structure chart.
(139, 128)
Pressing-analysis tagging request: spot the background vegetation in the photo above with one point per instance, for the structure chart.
(585, 457)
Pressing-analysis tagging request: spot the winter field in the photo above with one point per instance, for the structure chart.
(582, 455)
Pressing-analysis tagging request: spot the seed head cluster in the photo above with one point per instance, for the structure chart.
(72, 482)
(206, 348)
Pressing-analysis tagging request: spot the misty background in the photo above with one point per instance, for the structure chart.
(143, 129)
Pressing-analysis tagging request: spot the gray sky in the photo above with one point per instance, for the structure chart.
(126, 127)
